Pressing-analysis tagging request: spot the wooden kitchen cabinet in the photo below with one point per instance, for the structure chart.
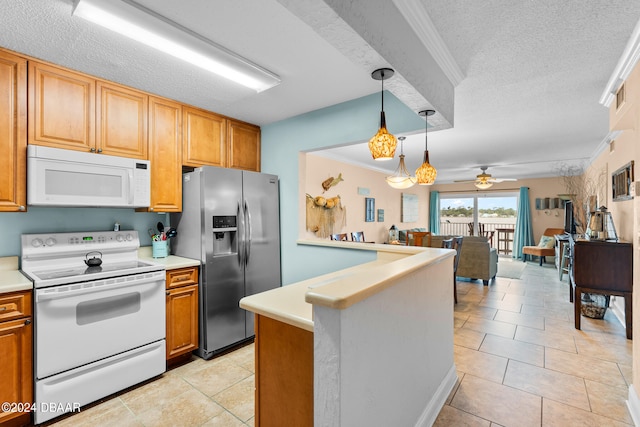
(121, 121)
(16, 336)
(61, 108)
(243, 145)
(203, 138)
(182, 312)
(75, 111)
(284, 374)
(13, 132)
(165, 155)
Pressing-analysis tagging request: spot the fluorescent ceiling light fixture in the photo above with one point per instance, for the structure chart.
(139, 23)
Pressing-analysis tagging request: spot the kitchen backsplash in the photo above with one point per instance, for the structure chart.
(62, 220)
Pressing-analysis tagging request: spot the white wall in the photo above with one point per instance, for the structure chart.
(399, 369)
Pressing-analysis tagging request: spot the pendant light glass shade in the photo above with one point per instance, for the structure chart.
(401, 178)
(383, 144)
(426, 174)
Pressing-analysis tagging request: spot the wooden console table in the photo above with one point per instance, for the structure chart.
(602, 267)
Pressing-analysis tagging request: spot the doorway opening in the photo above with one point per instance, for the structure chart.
(490, 215)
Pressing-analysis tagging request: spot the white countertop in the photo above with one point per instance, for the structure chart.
(11, 280)
(293, 304)
(170, 262)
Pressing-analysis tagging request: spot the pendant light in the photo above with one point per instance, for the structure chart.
(401, 178)
(383, 144)
(426, 174)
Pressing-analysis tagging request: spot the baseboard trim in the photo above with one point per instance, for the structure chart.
(434, 406)
(633, 405)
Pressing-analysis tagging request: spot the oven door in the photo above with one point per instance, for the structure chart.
(84, 322)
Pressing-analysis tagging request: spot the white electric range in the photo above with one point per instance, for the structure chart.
(98, 328)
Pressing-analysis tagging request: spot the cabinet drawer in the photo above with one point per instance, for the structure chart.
(182, 277)
(15, 305)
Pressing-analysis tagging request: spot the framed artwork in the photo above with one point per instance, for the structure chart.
(369, 209)
(380, 215)
(621, 181)
(409, 207)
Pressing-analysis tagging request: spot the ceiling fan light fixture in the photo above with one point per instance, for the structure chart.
(401, 179)
(383, 144)
(426, 174)
(145, 26)
(483, 184)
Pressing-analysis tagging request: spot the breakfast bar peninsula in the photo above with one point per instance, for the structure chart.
(367, 345)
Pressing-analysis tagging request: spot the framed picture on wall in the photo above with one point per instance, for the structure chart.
(369, 209)
(409, 207)
(380, 215)
(621, 181)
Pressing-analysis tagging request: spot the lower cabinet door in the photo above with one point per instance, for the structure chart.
(16, 368)
(182, 320)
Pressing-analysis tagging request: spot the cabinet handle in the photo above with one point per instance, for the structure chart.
(151, 209)
(168, 293)
(3, 308)
(99, 150)
(27, 322)
(93, 150)
(22, 208)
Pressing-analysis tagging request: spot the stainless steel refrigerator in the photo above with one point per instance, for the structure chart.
(230, 221)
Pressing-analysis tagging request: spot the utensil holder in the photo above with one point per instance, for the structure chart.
(160, 248)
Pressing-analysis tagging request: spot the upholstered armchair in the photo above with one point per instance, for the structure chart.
(478, 260)
(545, 247)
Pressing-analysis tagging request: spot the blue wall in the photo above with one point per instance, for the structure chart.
(350, 122)
(62, 220)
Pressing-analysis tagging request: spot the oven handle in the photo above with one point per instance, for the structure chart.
(68, 291)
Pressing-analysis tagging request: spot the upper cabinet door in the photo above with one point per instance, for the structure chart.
(121, 116)
(244, 146)
(165, 154)
(203, 138)
(61, 108)
(13, 132)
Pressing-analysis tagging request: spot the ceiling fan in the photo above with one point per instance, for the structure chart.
(484, 180)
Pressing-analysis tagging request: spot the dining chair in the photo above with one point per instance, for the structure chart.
(340, 236)
(416, 238)
(357, 236)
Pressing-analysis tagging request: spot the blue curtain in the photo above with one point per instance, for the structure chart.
(434, 212)
(523, 233)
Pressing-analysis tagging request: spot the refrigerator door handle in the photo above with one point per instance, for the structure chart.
(248, 230)
(240, 236)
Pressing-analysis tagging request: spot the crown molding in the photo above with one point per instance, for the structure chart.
(625, 65)
(420, 22)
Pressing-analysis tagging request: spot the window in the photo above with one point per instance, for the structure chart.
(466, 214)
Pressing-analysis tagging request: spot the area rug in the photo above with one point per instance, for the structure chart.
(511, 269)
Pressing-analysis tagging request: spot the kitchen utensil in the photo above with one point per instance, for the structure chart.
(160, 227)
(172, 232)
(93, 262)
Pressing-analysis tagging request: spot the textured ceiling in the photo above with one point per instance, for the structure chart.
(533, 70)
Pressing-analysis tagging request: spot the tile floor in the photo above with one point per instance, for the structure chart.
(520, 362)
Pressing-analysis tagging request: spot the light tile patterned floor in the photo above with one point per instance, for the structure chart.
(520, 362)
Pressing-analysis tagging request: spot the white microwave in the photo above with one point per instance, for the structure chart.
(57, 177)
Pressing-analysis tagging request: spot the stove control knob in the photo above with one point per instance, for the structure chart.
(50, 241)
(129, 237)
(119, 238)
(36, 243)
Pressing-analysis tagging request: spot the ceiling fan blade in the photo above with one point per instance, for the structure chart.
(502, 179)
(465, 180)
